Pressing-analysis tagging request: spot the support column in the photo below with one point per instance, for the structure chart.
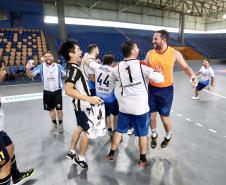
(181, 27)
(62, 33)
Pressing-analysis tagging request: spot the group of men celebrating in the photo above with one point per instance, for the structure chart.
(132, 91)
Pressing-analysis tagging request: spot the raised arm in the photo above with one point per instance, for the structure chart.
(62, 70)
(32, 73)
(2, 74)
(184, 66)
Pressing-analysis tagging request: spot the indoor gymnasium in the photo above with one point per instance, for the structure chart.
(112, 92)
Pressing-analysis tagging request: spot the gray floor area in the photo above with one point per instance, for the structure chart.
(196, 155)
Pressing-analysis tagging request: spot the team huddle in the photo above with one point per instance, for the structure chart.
(133, 91)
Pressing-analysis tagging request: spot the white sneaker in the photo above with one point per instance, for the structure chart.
(130, 131)
(53, 128)
(61, 128)
(110, 133)
(195, 98)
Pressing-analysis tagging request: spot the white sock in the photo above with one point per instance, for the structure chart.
(81, 158)
(153, 133)
(72, 151)
(168, 135)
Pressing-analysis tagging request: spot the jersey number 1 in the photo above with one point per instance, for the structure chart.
(130, 76)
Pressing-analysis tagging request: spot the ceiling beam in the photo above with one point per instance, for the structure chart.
(95, 4)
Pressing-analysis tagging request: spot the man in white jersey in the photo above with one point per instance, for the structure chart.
(105, 88)
(77, 88)
(51, 74)
(133, 100)
(206, 74)
(89, 73)
(8, 166)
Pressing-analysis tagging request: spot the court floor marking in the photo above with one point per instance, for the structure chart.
(15, 85)
(215, 94)
(24, 97)
(35, 96)
(196, 123)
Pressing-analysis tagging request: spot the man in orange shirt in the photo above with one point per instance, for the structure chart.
(164, 57)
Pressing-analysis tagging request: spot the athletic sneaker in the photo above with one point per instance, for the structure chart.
(110, 157)
(143, 163)
(53, 128)
(83, 164)
(23, 176)
(70, 155)
(165, 142)
(61, 128)
(110, 133)
(154, 141)
(130, 131)
(195, 98)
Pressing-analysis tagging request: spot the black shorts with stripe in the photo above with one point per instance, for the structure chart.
(82, 120)
(4, 142)
(52, 100)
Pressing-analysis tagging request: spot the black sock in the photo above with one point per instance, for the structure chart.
(60, 122)
(14, 170)
(112, 152)
(109, 130)
(143, 157)
(6, 180)
(54, 122)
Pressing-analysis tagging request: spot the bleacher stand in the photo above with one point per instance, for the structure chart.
(19, 45)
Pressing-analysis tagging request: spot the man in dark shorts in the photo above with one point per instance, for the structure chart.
(8, 166)
(51, 74)
(77, 88)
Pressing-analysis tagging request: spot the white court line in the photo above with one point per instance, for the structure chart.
(211, 130)
(215, 94)
(179, 115)
(198, 124)
(20, 84)
(188, 119)
(24, 97)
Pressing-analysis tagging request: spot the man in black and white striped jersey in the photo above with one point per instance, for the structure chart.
(77, 88)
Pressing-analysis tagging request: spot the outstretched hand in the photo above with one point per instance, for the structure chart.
(158, 69)
(29, 65)
(194, 81)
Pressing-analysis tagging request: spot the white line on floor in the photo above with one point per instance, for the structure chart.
(215, 94)
(24, 97)
(179, 115)
(211, 130)
(188, 119)
(37, 83)
(198, 124)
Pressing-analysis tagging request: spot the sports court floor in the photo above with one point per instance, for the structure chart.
(196, 155)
